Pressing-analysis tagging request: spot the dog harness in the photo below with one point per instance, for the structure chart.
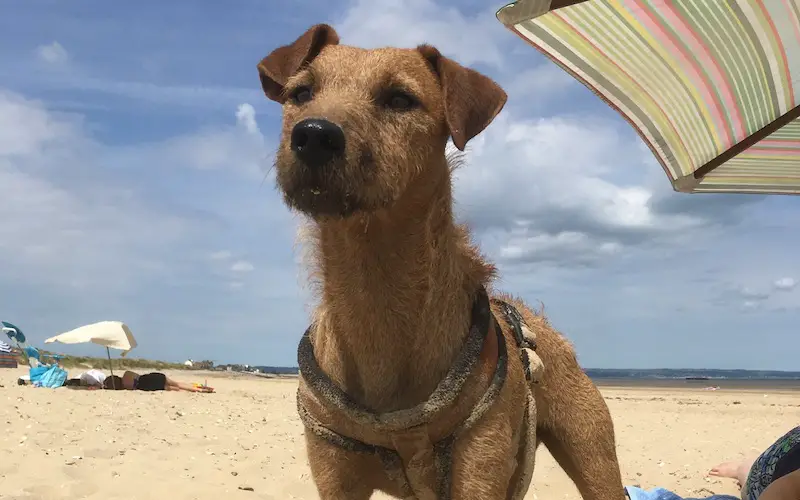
(415, 445)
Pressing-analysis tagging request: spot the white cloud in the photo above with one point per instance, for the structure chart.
(53, 53)
(242, 266)
(542, 82)
(753, 294)
(407, 23)
(775, 296)
(27, 129)
(240, 148)
(576, 248)
(168, 96)
(59, 232)
(67, 221)
(221, 255)
(552, 190)
(57, 71)
(246, 117)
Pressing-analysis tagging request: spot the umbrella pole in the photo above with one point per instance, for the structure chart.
(24, 354)
(111, 368)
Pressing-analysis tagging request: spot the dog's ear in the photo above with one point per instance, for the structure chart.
(471, 100)
(285, 61)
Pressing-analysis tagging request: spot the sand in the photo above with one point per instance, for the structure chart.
(246, 441)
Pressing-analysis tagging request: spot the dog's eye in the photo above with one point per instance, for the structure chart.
(301, 95)
(400, 101)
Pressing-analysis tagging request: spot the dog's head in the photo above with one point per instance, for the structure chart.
(359, 125)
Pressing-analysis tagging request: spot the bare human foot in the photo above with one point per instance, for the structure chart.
(726, 469)
(736, 469)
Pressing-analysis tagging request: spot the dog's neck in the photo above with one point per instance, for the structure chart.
(396, 294)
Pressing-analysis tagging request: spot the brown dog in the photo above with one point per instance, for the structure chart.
(407, 383)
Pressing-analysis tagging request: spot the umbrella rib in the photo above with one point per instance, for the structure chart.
(520, 10)
(560, 4)
(749, 141)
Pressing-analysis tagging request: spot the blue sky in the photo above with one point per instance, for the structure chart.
(135, 156)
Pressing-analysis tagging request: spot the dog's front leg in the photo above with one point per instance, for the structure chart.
(484, 458)
(338, 473)
(576, 427)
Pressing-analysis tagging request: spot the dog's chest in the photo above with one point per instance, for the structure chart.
(415, 445)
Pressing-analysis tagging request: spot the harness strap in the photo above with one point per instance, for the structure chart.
(516, 322)
(534, 368)
(418, 455)
(409, 464)
(525, 338)
(393, 460)
(390, 459)
(442, 398)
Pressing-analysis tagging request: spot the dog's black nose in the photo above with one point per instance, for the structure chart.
(316, 141)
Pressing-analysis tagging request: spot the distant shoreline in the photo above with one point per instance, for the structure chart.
(746, 385)
(731, 384)
(698, 379)
(665, 378)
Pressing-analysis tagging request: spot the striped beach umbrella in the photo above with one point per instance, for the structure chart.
(13, 332)
(711, 86)
(8, 358)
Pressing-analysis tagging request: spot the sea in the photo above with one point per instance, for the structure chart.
(665, 377)
(693, 377)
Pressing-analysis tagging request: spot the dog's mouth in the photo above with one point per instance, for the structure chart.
(337, 190)
(318, 194)
(321, 202)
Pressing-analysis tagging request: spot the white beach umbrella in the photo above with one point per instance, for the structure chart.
(110, 334)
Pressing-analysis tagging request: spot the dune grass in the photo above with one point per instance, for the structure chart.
(87, 362)
(119, 363)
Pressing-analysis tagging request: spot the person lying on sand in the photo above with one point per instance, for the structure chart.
(156, 381)
(775, 474)
(113, 382)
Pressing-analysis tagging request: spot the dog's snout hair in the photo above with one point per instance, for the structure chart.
(360, 125)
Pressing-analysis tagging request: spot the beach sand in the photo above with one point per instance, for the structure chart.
(245, 441)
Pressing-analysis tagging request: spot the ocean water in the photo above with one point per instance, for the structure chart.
(687, 373)
(644, 375)
(761, 380)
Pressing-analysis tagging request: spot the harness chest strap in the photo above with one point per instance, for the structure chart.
(421, 468)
